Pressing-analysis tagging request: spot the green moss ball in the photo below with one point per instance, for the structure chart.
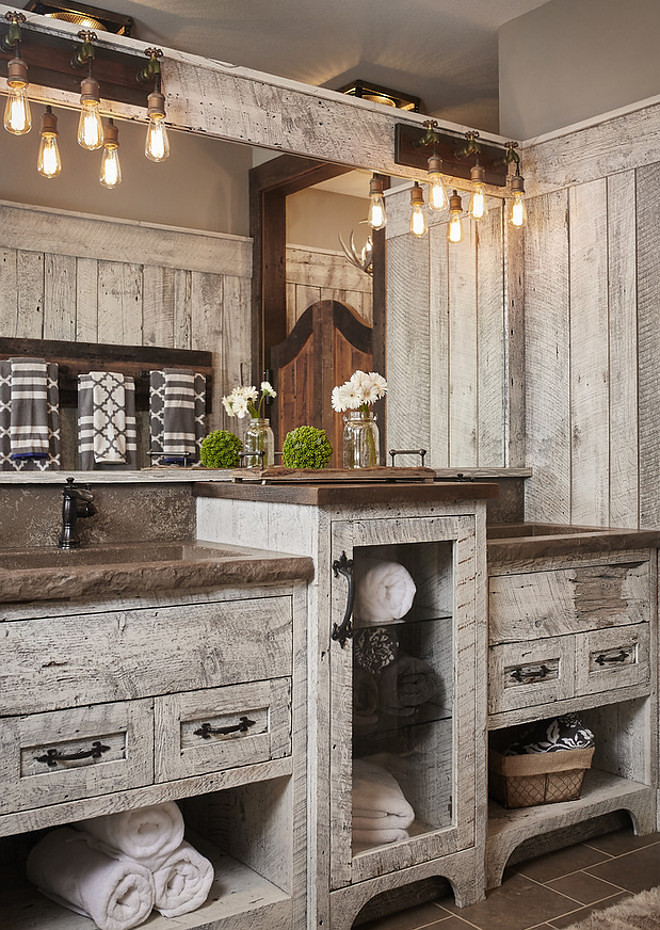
(306, 447)
(220, 449)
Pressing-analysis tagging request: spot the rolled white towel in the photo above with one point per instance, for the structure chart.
(384, 592)
(116, 894)
(182, 882)
(147, 834)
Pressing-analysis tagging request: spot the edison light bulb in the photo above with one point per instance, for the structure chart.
(418, 225)
(438, 199)
(455, 227)
(110, 175)
(478, 208)
(18, 119)
(90, 127)
(517, 212)
(377, 217)
(157, 147)
(49, 164)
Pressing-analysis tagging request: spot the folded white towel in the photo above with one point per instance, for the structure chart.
(182, 882)
(117, 895)
(378, 824)
(384, 592)
(376, 790)
(148, 834)
(378, 837)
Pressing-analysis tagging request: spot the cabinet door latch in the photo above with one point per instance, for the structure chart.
(343, 631)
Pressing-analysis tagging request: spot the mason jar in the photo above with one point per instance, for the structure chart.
(360, 440)
(258, 437)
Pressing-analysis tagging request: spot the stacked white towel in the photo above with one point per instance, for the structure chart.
(384, 592)
(381, 813)
(117, 895)
(117, 868)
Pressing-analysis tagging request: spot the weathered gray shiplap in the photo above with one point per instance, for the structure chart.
(591, 319)
(119, 286)
(317, 274)
(447, 360)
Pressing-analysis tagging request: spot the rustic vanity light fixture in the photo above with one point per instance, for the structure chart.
(478, 207)
(418, 225)
(49, 163)
(516, 212)
(455, 227)
(438, 199)
(157, 145)
(17, 118)
(90, 127)
(377, 217)
(110, 176)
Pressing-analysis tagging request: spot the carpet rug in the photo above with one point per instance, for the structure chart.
(639, 913)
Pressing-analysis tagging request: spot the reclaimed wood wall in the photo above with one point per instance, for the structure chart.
(450, 367)
(90, 279)
(319, 274)
(592, 323)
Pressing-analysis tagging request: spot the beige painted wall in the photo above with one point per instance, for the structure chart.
(569, 60)
(315, 218)
(203, 185)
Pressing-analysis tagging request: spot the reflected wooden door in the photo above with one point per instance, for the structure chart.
(328, 343)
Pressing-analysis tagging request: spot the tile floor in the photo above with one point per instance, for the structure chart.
(552, 891)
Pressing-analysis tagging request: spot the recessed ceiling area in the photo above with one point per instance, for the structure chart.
(444, 51)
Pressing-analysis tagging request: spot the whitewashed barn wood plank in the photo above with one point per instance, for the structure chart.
(648, 300)
(408, 358)
(59, 297)
(303, 296)
(439, 346)
(182, 308)
(322, 268)
(84, 236)
(589, 364)
(514, 346)
(8, 292)
(491, 337)
(206, 323)
(235, 365)
(595, 151)
(463, 357)
(158, 306)
(357, 300)
(547, 415)
(87, 300)
(624, 449)
(120, 303)
(30, 288)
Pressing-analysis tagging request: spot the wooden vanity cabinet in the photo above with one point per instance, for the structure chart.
(116, 705)
(576, 633)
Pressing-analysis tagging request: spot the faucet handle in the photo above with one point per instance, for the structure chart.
(80, 491)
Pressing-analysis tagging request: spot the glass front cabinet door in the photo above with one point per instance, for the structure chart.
(403, 711)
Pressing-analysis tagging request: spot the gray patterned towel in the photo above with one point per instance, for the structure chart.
(107, 433)
(177, 414)
(25, 457)
(29, 408)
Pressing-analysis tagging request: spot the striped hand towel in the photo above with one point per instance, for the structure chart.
(177, 402)
(39, 461)
(29, 408)
(106, 420)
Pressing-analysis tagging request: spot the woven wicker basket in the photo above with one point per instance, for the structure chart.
(538, 778)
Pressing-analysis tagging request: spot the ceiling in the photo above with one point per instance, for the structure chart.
(444, 51)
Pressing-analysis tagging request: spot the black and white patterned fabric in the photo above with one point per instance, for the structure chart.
(107, 432)
(177, 415)
(560, 733)
(29, 415)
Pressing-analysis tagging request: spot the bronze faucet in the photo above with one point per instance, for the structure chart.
(77, 503)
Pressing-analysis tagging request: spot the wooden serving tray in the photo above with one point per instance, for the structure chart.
(278, 474)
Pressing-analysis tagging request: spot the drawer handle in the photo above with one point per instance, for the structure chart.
(53, 756)
(344, 566)
(530, 673)
(621, 656)
(206, 731)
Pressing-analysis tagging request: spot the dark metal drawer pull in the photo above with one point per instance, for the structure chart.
(621, 656)
(530, 672)
(206, 731)
(420, 452)
(53, 756)
(344, 566)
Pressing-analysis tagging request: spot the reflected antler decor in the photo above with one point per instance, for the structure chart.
(362, 259)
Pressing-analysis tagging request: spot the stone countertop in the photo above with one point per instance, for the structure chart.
(528, 541)
(117, 570)
(350, 494)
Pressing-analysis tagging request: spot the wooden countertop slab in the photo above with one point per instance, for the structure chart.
(349, 494)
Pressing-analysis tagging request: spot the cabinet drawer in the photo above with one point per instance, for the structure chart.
(82, 659)
(219, 728)
(75, 753)
(608, 659)
(535, 673)
(530, 605)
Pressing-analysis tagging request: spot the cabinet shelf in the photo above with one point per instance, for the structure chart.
(237, 896)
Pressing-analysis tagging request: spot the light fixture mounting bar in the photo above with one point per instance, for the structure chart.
(48, 57)
(411, 152)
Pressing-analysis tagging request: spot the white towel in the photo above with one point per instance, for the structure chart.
(384, 592)
(364, 838)
(117, 895)
(182, 882)
(378, 796)
(148, 834)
